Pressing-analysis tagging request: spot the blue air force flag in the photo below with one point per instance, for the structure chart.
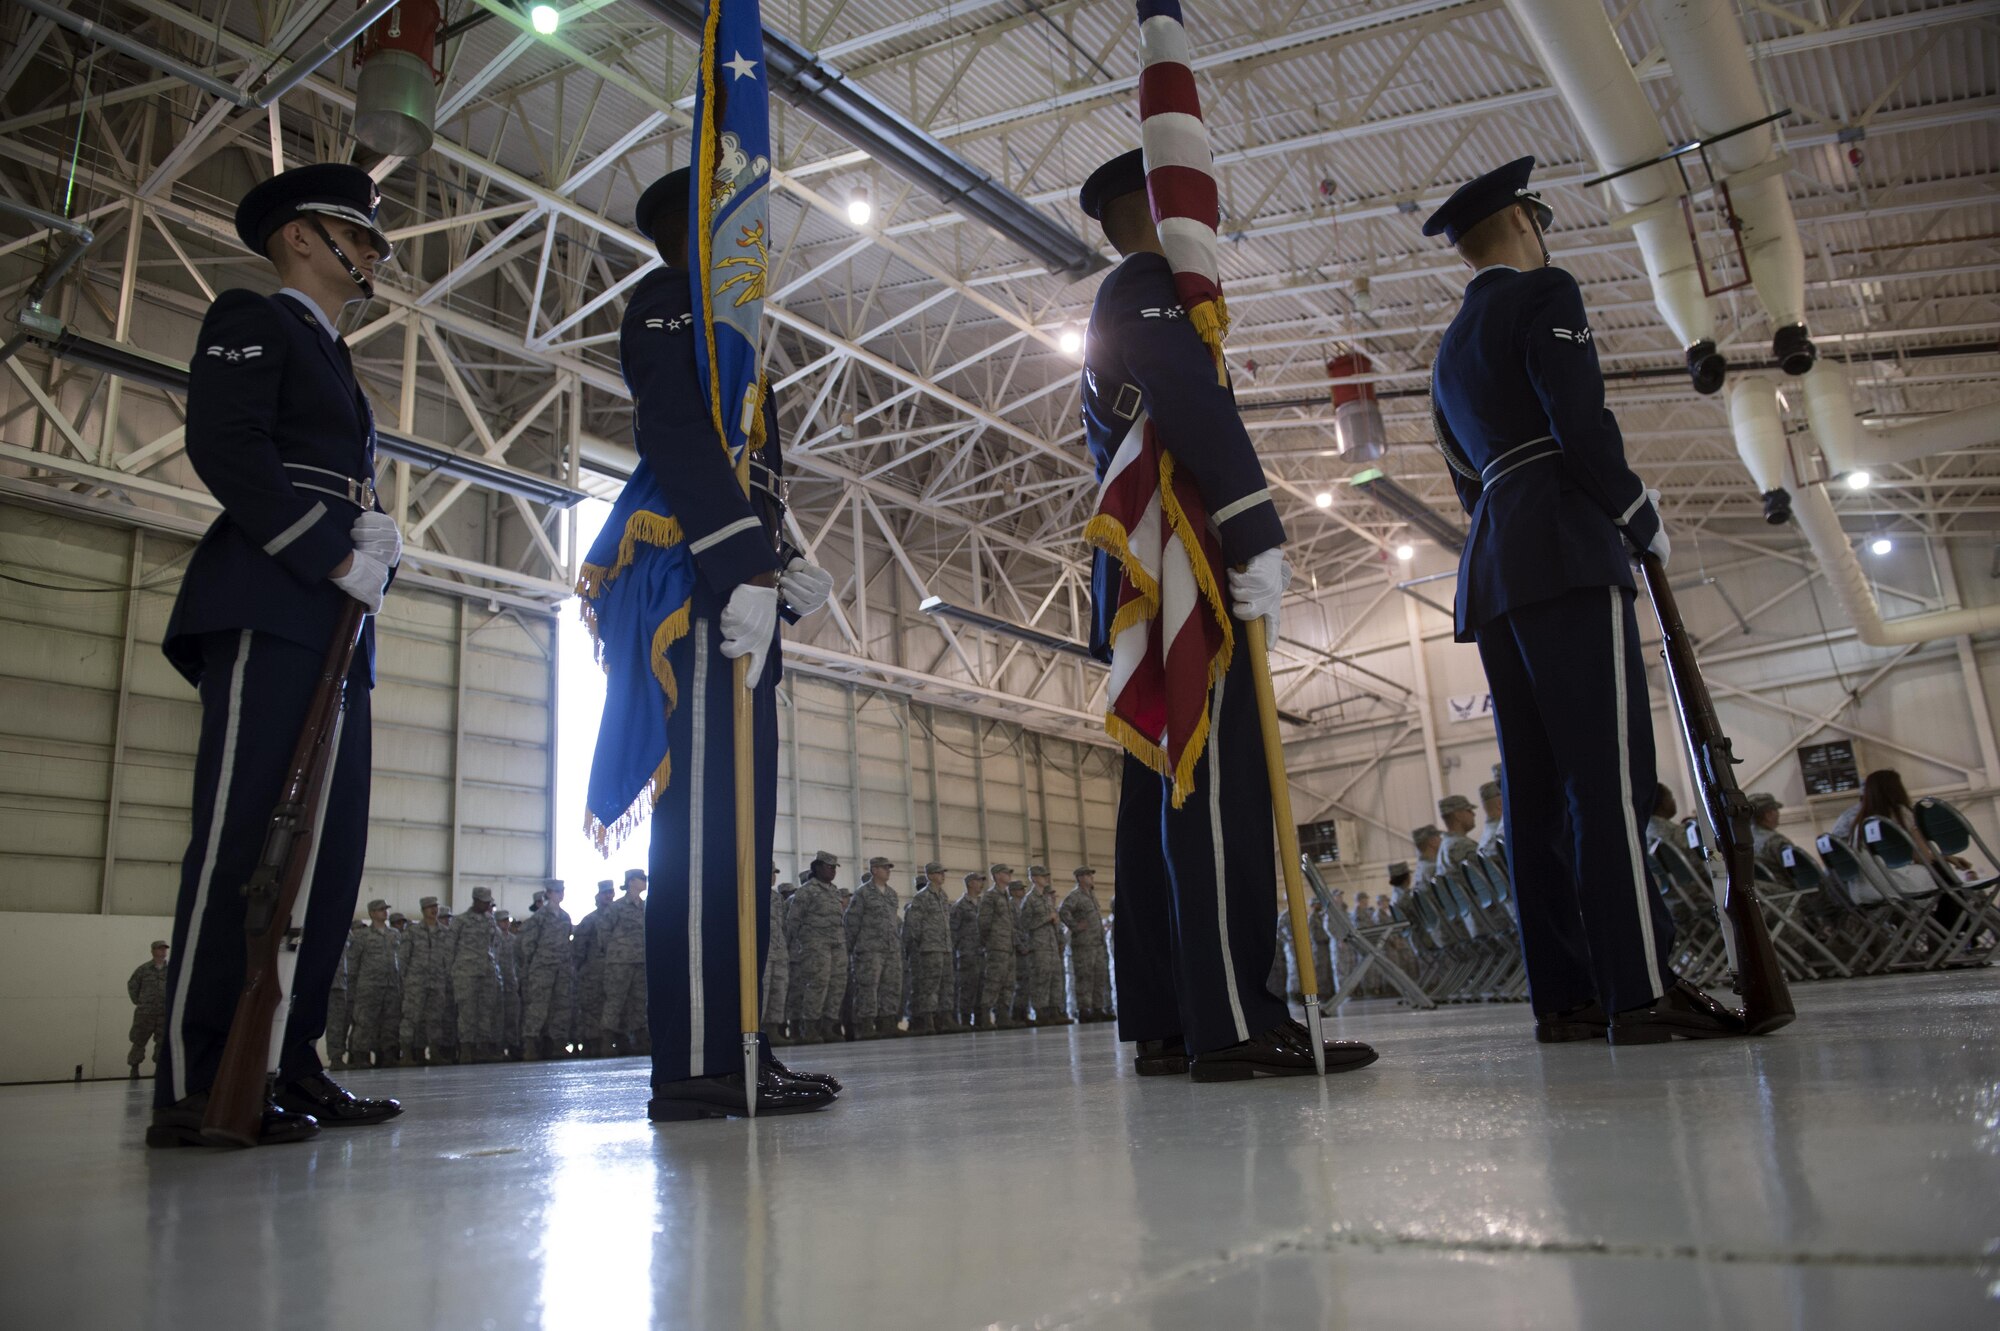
(728, 220)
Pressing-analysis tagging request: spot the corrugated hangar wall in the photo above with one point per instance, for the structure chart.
(865, 773)
(99, 732)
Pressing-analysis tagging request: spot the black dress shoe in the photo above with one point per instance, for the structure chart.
(332, 1104)
(1584, 1022)
(722, 1097)
(1162, 1058)
(826, 1079)
(179, 1124)
(1683, 1011)
(1283, 1051)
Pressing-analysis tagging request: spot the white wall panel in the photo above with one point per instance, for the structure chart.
(70, 701)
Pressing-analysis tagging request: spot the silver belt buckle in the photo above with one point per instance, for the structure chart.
(361, 493)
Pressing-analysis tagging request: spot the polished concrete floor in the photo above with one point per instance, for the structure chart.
(1845, 1173)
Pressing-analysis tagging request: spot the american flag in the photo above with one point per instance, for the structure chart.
(1170, 637)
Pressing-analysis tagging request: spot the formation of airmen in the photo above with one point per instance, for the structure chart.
(869, 966)
(482, 987)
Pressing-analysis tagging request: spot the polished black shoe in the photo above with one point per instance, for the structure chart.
(1162, 1058)
(1584, 1022)
(1283, 1051)
(332, 1104)
(1682, 1011)
(722, 1097)
(826, 1079)
(179, 1124)
(1706, 367)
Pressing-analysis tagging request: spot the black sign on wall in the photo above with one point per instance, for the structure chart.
(1829, 768)
(1320, 842)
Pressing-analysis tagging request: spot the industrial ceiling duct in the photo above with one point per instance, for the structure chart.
(843, 106)
(401, 64)
(1411, 509)
(1583, 58)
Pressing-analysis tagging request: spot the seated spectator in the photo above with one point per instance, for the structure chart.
(1770, 843)
(1884, 796)
(1661, 826)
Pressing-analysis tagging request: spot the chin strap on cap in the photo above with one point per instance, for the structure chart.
(360, 278)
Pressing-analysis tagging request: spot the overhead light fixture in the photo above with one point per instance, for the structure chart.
(825, 94)
(546, 18)
(1411, 509)
(1071, 341)
(1406, 552)
(1881, 545)
(859, 210)
(1324, 499)
(1859, 480)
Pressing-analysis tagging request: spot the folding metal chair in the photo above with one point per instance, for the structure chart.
(1953, 918)
(1788, 907)
(1701, 952)
(1368, 943)
(1896, 925)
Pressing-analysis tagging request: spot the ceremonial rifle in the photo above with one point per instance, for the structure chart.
(1767, 1001)
(273, 897)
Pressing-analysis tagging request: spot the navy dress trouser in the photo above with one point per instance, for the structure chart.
(1195, 886)
(255, 689)
(1576, 743)
(691, 961)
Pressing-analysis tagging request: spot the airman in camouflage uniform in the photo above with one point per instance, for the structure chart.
(965, 946)
(509, 955)
(374, 975)
(1089, 963)
(1041, 922)
(549, 980)
(1017, 896)
(339, 1003)
(147, 988)
(877, 956)
(588, 952)
(420, 958)
(927, 941)
(817, 933)
(777, 963)
(996, 948)
(472, 963)
(623, 1020)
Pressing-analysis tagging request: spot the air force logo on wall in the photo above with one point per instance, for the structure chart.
(1471, 707)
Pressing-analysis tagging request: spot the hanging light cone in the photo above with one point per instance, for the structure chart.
(395, 104)
(395, 100)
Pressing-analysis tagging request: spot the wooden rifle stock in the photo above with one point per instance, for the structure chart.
(235, 1112)
(1767, 1001)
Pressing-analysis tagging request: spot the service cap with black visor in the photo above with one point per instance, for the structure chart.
(312, 194)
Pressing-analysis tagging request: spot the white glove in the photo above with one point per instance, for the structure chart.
(1659, 545)
(749, 623)
(365, 580)
(376, 534)
(1257, 589)
(804, 585)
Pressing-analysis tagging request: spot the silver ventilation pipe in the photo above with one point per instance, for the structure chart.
(277, 86)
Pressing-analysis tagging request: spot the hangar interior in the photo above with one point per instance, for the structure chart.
(926, 362)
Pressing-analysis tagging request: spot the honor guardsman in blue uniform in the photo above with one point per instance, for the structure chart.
(1193, 928)
(281, 433)
(722, 604)
(1545, 588)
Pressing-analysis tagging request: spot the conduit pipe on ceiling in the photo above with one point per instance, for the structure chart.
(1849, 445)
(1705, 45)
(1760, 441)
(1583, 57)
(281, 83)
